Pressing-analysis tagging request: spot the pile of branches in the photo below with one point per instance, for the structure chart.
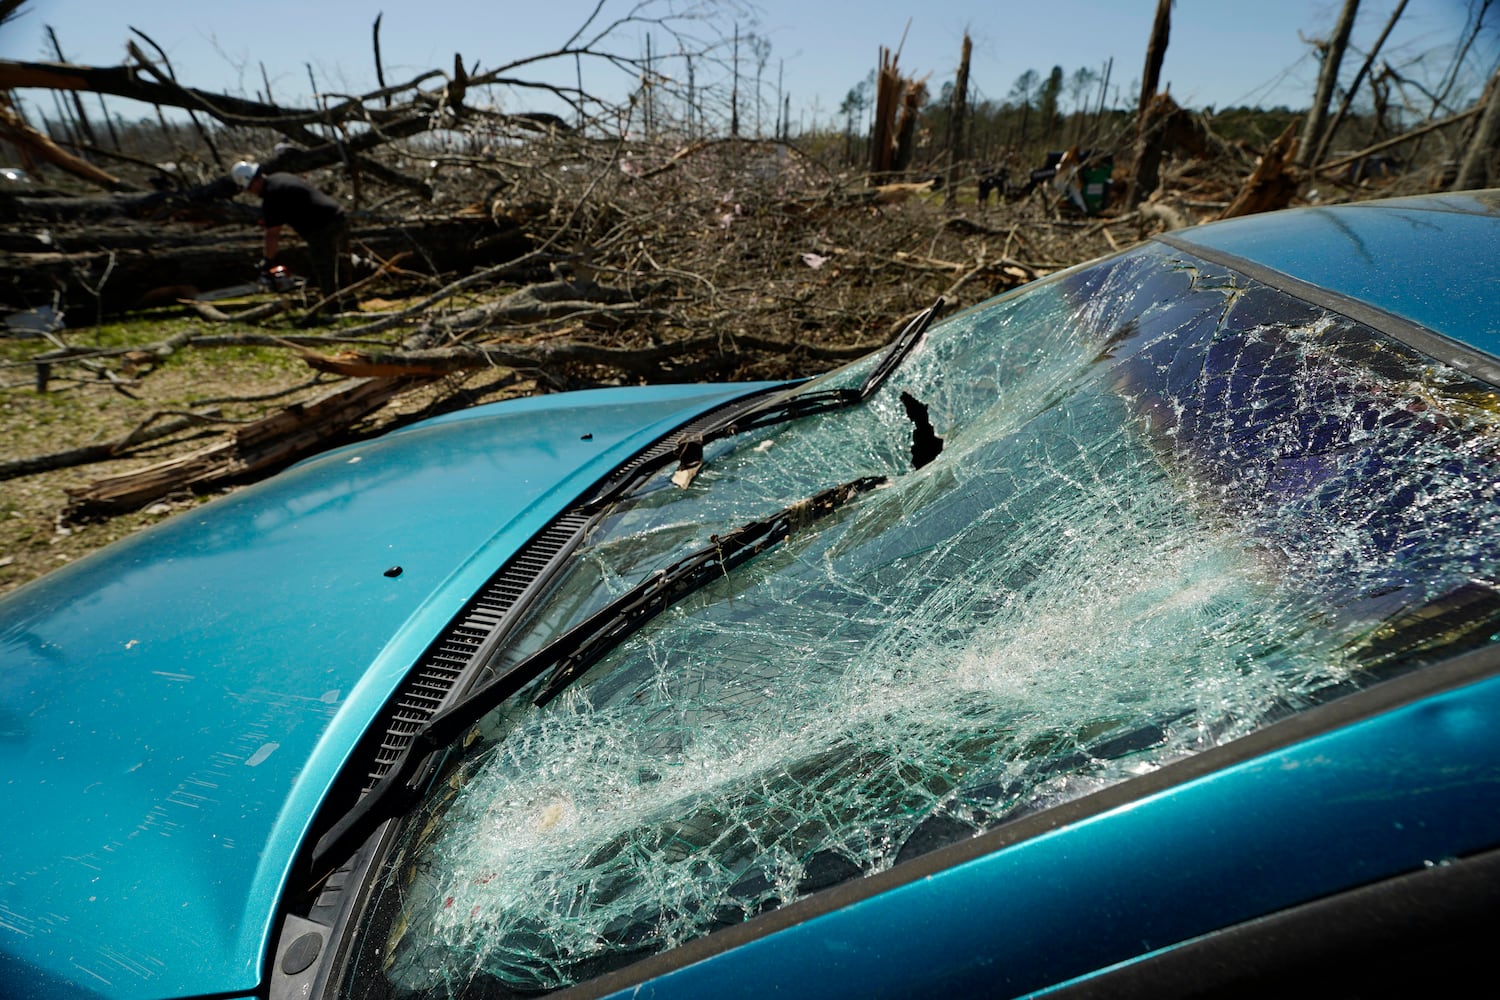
(538, 257)
(639, 262)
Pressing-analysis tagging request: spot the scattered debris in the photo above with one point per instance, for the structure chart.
(35, 322)
(502, 253)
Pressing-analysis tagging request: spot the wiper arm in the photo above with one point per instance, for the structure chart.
(781, 408)
(900, 348)
(569, 656)
(785, 406)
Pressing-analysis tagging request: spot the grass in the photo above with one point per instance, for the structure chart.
(82, 407)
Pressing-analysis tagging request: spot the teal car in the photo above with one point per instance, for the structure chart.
(1132, 633)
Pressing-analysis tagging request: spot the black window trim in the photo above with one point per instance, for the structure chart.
(1426, 932)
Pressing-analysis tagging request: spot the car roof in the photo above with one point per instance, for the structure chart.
(1430, 263)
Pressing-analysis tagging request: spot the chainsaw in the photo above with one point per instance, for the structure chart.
(277, 278)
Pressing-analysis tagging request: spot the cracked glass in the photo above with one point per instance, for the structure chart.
(1170, 505)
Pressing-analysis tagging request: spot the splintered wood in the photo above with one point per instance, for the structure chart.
(252, 450)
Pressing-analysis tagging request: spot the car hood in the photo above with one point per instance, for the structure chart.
(174, 708)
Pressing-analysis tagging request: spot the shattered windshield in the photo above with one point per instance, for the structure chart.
(1169, 505)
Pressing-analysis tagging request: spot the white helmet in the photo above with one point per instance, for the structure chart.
(243, 173)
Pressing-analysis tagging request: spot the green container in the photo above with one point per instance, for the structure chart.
(1095, 180)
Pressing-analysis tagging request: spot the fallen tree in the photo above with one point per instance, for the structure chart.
(130, 265)
(690, 360)
(265, 445)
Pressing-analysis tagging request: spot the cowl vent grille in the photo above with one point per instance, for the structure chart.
(473, 633)
(450, 664)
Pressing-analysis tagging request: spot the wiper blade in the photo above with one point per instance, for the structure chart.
(790, 407)
(609, 626)
(900, 348)
(569, 656)
(784, 406)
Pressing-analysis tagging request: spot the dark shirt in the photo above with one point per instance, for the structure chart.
(288, 200)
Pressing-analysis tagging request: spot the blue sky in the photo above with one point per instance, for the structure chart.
(1222, 52)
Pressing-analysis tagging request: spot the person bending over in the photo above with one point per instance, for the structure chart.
(288, 200)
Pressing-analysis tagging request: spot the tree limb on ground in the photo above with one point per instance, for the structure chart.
(1421, 130)
(18, 133)
(645, 362)
(151, 430)
(256, 448)
(254, 314)
(552, 300)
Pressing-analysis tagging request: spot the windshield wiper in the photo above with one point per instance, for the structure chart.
(778, 409)
(781, 407)
(569, 656)
(900, 348)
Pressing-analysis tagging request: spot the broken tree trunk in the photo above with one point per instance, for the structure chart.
(1144, 177)
(1273, 182)
(958, 121)
(1475, 171)
(1150, 146)
(906, 126)
(1156, 54)
(888, 89)
(255, 449)
(1328, 78)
